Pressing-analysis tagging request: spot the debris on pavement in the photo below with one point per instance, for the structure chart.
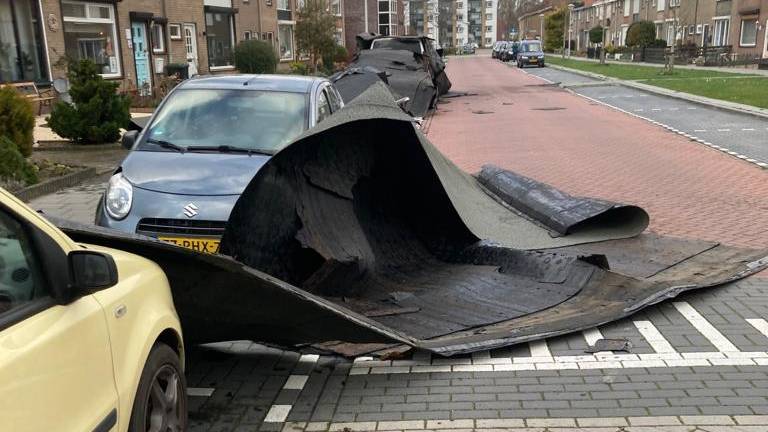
(361, 231)
(612, 345)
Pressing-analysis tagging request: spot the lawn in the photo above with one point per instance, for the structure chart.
(749, 91)
(731, 87)
(633, 72)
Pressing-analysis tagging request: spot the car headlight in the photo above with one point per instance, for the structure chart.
(119, 197)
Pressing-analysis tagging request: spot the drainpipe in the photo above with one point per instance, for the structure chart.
(365, 13)
(258, 11)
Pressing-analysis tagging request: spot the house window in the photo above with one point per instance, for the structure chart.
(488, 29)
(748, 36)
(387, 17)
(459, 5)
(285, 39)
(90, 33)
(336, 7)
(674, 3)
(220, 35)
(720, 35)
(269, 37)
(283, 11)
(489, 5)
(659, 30)
(22, 53)
(247, 35)
(158, 37)
(489, 16)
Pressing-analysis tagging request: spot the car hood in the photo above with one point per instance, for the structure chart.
(192, 173)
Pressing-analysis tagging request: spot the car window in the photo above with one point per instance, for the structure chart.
(20, 281)
(531, 47)
(323, 107)
(334, 99)
(253, 119)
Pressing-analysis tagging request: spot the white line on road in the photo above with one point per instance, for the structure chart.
(277, 413)
(655, 109)
(691, 108)
(295, 382)
(704, 327)
(760, 324)
(699, 130)
(309, 358)
(723, 130)
(200, 391)
(747, 129)
(539, 349)
(592, 336)
(655, 339)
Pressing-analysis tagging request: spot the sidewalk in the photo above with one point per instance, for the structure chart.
(736, 70)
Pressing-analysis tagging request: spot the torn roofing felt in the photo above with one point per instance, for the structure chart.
(361, 231)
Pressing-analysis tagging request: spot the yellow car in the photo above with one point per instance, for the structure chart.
(89, 337)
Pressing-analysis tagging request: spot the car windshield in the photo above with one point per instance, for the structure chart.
(531, 47)
(247, 119)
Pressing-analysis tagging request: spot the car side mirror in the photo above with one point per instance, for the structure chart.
(90, 271)
(440, 52)
(129, 139)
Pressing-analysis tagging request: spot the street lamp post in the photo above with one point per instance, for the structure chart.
(541, 31)
(567, 31)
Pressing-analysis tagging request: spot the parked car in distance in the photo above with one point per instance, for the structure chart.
(530, 53)
(496, 48)
(468, 49)
(89, 336)
(510, 51)
(201, 148)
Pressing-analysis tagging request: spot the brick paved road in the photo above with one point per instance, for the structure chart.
(698, 364)
(742, 134)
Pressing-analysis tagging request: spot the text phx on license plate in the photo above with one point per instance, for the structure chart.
(199, 245)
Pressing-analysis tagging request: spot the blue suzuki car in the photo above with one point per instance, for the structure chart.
(200, 149)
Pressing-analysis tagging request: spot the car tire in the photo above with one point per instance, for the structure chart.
(161, 398)
(541, 65)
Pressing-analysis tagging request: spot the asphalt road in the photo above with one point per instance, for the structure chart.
(697, 364)
(742, 134)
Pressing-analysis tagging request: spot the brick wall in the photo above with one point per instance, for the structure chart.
(354, 21)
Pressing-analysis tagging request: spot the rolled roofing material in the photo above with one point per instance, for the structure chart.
(361, 231)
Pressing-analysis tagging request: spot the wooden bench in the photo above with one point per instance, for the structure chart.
(34, 94)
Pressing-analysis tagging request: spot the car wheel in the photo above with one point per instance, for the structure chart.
(161, 399)
(541, 64)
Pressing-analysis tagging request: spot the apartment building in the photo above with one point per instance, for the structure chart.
(740, 24)
(372, 16)
(133, 41)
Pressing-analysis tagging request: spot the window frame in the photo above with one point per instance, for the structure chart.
(87, 19)
(179, 35)
(741, 32)
(153, 40)
(233, 40)
(724, 24)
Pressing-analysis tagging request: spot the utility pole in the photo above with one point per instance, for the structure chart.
(602, 46)
(541, 31)
(365, 13)
(566, 17)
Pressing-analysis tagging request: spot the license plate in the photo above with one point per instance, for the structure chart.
(534, 60)
(203, 245)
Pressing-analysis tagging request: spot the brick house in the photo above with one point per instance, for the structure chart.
(383, 17)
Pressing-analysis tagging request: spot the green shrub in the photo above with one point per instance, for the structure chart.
(254, 56)
(596, 34)
(658, 43)
(641, 34)
(14, 168)
(299, 68)
(341, 55)
(553, 29)
(17, 119)
(97, 112)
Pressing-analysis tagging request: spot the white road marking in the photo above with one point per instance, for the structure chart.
(539, 349)
(705, 328)
(591, 336)
(309, 358)
(639, 110)
(691, 108)
(655, 339)
(277, 413)
(723, 130)
(655, 109)
(200, 391)
(699, 130)
(760, 324)
(748, 129)
(295, 382)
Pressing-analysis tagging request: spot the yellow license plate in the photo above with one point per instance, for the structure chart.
(203, 245)
(534, 60)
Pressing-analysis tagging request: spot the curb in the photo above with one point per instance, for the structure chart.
(54, 146)
(701, 100)
(56, 184)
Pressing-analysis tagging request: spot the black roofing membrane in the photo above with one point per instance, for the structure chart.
(360, 231)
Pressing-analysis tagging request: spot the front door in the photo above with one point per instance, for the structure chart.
(190, 44)
(141, 58)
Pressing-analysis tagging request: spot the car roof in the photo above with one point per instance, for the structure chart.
(286, 83)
